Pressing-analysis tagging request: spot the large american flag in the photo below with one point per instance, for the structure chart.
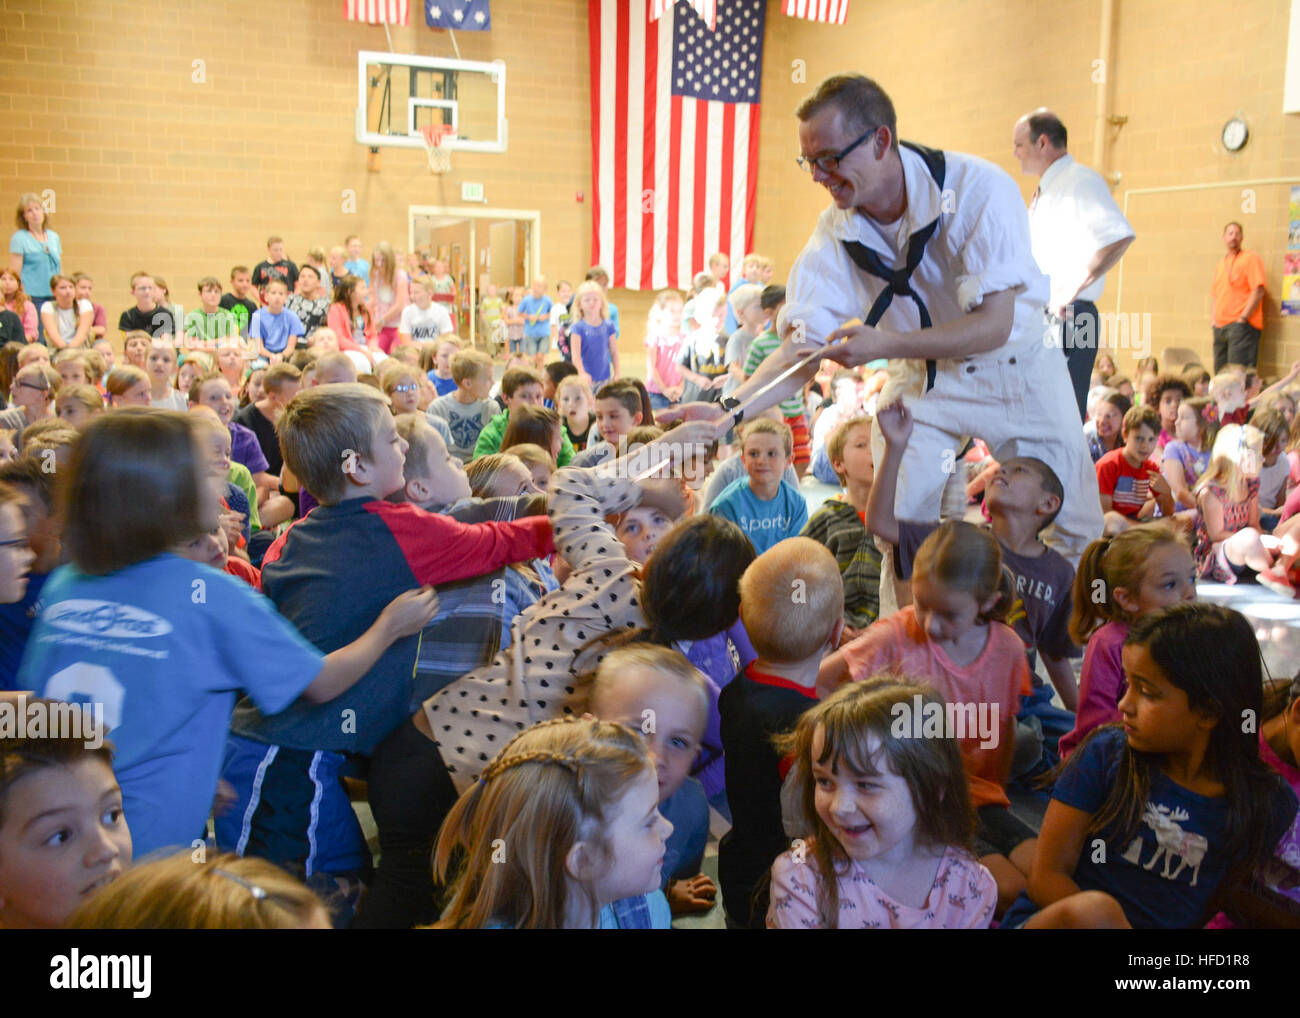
(674, 137)
(377, 12)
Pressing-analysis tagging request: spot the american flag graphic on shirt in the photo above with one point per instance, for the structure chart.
(1130, 494)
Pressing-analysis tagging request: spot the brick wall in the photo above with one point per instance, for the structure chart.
(152, 169)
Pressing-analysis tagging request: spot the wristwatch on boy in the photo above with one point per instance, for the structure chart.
(729, 403)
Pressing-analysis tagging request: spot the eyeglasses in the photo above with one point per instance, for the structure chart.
(28, 385)
(831, 163)
(406, 387)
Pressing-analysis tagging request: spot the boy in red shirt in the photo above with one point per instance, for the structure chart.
(1129, 481)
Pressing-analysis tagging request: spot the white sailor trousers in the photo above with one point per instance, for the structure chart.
(1019, 401)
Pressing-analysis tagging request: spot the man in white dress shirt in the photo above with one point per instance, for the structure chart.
(969, 315)
(1078, 234)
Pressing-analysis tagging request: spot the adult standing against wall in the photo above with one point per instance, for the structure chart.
(1078, 234)
(1238, 292)
(932, 250)
(35, 252)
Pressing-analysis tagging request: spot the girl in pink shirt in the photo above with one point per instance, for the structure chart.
(887, 818)
(1119, 580)
(953, 636)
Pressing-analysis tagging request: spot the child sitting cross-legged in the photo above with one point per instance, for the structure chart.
(888, 820)
(1150, 819)
(341, 442)
(763, 504)
(1129, 481)
(791, 602)
(656, 691)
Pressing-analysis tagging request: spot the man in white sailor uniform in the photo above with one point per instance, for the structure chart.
(932, 250)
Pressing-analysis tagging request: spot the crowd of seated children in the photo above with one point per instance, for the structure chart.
(533, 635)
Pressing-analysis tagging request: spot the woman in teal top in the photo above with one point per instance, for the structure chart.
(35, 252)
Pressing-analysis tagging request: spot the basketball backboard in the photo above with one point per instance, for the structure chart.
(399, 93)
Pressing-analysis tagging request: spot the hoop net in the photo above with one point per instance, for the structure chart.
(435, 136)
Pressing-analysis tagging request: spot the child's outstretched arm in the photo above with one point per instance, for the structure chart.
(1281, 383)
(895, 424)
(405, 615)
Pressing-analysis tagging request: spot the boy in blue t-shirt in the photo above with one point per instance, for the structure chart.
(273, 325)
(536, 309)
(763, 504)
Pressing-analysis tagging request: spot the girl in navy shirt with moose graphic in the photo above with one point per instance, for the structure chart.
(1150, 816)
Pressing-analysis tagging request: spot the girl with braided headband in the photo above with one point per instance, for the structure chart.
(561, 829)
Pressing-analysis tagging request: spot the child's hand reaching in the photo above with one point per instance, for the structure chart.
(410, 612)
(895, 423)
(1159, 485)
(694, 894)
(233, 524)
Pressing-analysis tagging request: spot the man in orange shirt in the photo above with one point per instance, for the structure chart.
(1238, 294)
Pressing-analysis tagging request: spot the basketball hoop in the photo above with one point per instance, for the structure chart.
(435, 138)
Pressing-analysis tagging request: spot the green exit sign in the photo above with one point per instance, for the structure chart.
(471, 192)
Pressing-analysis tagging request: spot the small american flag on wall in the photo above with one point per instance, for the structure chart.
(377, 12)
(833, 12)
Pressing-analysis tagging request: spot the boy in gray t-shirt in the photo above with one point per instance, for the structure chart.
(466, 411)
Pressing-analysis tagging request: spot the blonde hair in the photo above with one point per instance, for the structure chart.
(1107, 563)
(482, 472)
(225, 892)
(415, 429)
(321, 426)
(1224, 468)
(767, 426)
(467, 365)
(387, 274)
(1225, 379)
(650, 657)
(963, 557)
(551, 787)
(123, 378)
(850, 719)
(49, 433)
(53, 380)
(591, 286)
(574, 382)
(790, 599)
(744, 297)
(335, 359)
(393, 372)
(87, 395)
(532, 455)
(840, 438)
